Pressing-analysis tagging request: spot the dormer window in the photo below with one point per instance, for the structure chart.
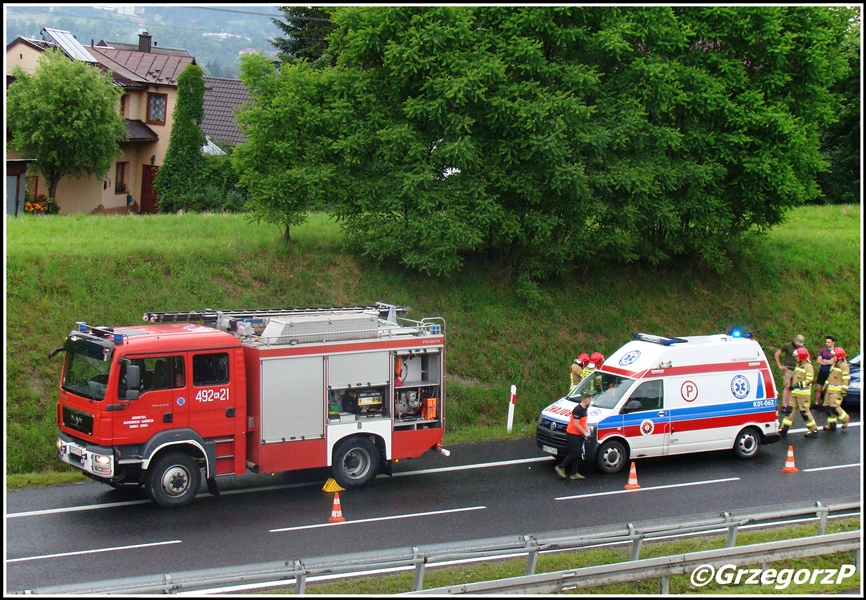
(156, 108)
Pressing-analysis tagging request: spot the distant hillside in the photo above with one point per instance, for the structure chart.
(245, 27)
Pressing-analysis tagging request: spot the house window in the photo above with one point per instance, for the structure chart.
(156, 108)
(120, 178)
(124, 103)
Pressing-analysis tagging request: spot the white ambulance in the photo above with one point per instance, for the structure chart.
(660, 396)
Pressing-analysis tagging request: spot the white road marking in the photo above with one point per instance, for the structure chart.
(833, 467)
(95, 551)
(50, 511)
(376, 519)
(500, 463)
(644, 489)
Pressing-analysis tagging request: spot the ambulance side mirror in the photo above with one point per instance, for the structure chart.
(631, 406)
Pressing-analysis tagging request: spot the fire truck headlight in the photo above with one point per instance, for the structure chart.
(59, 445)
(101, 460)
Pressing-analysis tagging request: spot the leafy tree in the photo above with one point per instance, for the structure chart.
(840, 141)
(549, 137)
(306, 29)
(180, 172)
(65, 116)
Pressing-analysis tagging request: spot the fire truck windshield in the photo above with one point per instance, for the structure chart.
(86, 368)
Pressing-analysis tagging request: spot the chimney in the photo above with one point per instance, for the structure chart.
(91, 42)
(144, 41)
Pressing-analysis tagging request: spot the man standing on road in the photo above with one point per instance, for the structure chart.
(575, 435)
(801, 394)
(826, 358)
(786, 360)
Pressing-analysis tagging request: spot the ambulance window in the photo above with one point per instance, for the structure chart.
(649, 394)
(210, 369)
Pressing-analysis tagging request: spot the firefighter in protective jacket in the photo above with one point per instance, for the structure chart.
(837, 387)
(576, 370)
(801, 394)
(594, 362)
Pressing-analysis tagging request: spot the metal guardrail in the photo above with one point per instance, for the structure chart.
(661, 568)
(419, 557)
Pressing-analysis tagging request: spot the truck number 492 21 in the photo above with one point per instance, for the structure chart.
(211, 395)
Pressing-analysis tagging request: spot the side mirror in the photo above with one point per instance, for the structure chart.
(631, 406)
(133, 381)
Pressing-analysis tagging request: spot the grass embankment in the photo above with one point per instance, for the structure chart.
(678, 584)
(803, 277)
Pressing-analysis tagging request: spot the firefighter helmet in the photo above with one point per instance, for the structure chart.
(597, 358)
(802, 354)
(583, 357)
(840, 353)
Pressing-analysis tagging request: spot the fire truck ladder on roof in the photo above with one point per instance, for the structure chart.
(387, 312)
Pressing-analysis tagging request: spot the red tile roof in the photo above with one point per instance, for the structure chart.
(145, 67)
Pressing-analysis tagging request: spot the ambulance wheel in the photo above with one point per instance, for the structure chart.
(748, 443)
(612, 457)
(173, 480)
(356, 462)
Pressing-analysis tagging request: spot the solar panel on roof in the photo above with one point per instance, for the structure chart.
(67, 41)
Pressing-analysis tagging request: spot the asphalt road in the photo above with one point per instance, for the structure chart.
(89, 532)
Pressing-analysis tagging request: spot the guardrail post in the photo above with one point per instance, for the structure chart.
(301, 579)
(732, 526)
(418, 580)
(664, 585)
(637, 540)
(167, 577)
(531, 556)
(823, 511)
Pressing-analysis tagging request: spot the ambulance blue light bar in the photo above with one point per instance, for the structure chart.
(738, 333)
(657, 339)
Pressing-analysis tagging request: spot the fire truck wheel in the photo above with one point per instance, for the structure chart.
(748, 443)
(612, 457)
(173, 480)
(356, 462)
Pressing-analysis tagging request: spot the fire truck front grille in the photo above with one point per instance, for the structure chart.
(78, 420)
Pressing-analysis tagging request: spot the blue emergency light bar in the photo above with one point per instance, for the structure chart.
(738, 333)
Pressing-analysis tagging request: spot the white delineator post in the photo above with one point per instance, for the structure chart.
(511, 407)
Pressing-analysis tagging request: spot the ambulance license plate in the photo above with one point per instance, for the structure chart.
(549, 449)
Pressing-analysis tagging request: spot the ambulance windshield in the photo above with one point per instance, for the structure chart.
(607, 389)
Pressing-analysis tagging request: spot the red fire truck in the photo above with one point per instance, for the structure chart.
(155, 405)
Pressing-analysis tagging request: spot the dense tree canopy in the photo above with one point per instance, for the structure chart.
(548, 136)
(841, 140)
(307, 29)
(180, 172)
(65, 116)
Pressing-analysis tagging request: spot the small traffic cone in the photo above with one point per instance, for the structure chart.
(789, 464)
(632, 479)
(336, 512)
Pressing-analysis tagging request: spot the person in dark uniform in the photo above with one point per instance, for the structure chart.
(826, 358)
(575, 435)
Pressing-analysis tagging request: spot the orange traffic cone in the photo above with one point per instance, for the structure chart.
(336, 512)
(632, 479)
(789, 464)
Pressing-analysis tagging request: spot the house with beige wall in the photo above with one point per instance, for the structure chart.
(148, 76)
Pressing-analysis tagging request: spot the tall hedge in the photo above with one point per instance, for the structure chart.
(180, 172)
